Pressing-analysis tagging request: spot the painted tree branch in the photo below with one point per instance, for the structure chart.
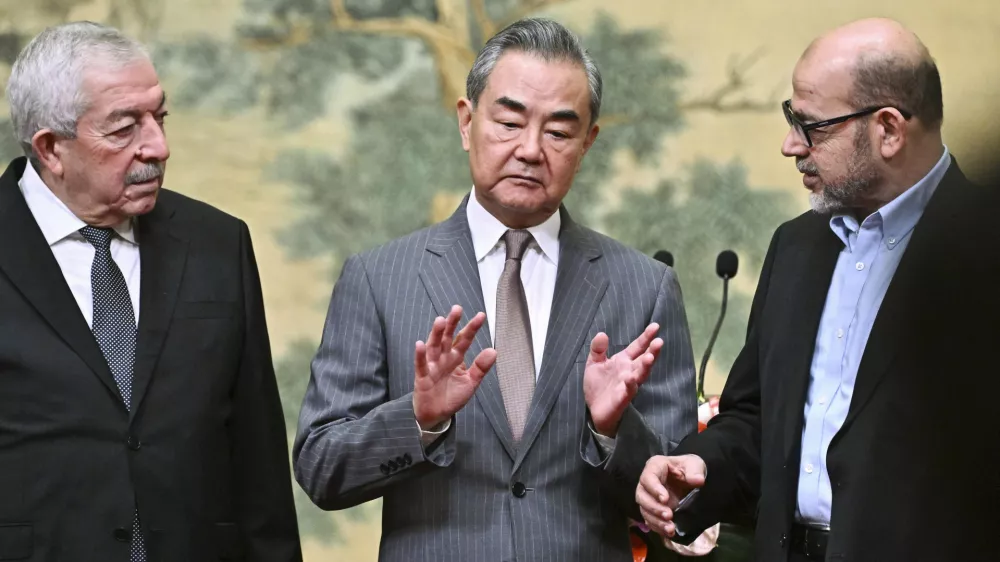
(526, 8)
(720, 100)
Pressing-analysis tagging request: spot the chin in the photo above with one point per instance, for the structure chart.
(140, 206)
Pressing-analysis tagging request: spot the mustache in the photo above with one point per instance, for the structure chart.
(145, 172)
(806, 167)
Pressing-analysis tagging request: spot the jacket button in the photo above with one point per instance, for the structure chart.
(123, 535)
(783, 541)
(384, 468)
(518, 489)
(400, 462)
(133, 443)
(392, 465)
(407, 459)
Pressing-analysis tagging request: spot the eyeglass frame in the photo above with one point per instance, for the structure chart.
(795, 123)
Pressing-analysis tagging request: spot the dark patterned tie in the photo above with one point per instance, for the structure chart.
(515, 354)
(115, 331)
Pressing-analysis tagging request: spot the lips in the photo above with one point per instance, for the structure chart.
(524, 179)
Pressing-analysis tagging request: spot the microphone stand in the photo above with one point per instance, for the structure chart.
(711, 341)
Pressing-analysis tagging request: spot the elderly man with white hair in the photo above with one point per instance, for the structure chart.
(139, 414)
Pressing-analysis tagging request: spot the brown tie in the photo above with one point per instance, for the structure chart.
(515, 354)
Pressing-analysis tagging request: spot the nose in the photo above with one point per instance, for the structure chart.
(794, 145)
(529, 150)
(154, 142)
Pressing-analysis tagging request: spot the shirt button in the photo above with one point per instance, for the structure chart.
(840, 333)
(859, 266)
(809, 469)
(822, 400)
(892, 240)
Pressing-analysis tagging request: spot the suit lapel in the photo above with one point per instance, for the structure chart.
(162, 257)
(928, 246)
(817, 255)
(450, 276)
(580, 286)
(28, 262)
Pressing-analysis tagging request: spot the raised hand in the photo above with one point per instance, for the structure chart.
(663, 484)
(609, 384)
(442, 383)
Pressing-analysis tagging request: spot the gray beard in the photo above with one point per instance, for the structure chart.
(848, 192)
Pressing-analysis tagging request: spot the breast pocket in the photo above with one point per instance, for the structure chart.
(204, 309)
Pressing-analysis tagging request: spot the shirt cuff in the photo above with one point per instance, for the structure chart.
(429, 436)
(605, 444)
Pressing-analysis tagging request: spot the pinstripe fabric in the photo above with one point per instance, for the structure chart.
(357, 429)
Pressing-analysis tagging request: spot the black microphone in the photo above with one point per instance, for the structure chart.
(664, 256)
(726, 266)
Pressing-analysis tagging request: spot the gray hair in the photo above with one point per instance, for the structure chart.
(45, 89)
(541, 37)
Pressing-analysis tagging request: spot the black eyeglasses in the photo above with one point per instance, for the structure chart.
(804, 128)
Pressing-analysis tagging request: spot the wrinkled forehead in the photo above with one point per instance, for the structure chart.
(822, 83)
(134, 85)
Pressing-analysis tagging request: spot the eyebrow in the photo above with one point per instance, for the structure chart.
(132, 112)
(559, 115)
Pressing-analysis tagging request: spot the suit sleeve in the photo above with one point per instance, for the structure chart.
(730, 446)
(662, 412)
(353, 442)
(266, 512)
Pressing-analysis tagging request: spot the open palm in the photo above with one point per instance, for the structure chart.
(442, 383)
(610, 383)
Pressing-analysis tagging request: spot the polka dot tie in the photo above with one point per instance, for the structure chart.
(115, 331)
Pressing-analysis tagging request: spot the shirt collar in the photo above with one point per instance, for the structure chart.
(487, 231)
(899, 216)
(52, 215)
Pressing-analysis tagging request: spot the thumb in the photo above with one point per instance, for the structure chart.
(689, 469)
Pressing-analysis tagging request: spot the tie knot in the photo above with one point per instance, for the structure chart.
(516, 242)
(99, 237)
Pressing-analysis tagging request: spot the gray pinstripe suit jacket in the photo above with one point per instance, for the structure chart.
(473, 496)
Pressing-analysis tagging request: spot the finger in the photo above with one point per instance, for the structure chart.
(467, 334)
(434, 339)
(598, 348)
(655, 347)
(420, 361)
(641, 343)
(688, 469)
(449, 327)
(653, 508)
(482, 365)
(652, 478)
(654, 523)
(641, 368)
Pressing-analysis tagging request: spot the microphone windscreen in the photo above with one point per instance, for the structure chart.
(664, 256)
(727, 264)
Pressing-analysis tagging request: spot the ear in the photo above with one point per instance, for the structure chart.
(50, 150)
(465, 110)
(591, 137)
(892, 128)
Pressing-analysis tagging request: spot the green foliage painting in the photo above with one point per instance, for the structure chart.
(410, 57)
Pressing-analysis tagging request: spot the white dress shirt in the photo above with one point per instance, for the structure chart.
(539, 265)
(75, 255)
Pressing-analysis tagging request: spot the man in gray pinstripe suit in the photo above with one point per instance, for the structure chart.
(532, 450)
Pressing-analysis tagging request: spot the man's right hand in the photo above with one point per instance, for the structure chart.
(442, 383)
(663, 484)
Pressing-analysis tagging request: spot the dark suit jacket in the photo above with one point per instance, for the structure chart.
(203, 453)
(475, 496)
(915, 467)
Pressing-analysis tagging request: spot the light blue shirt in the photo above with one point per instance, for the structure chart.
(865, 267)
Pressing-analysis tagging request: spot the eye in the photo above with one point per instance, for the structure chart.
(559, 135)
(508, 125)
(162, 117)
(125, 131)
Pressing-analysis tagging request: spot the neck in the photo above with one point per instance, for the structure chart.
(902, 173)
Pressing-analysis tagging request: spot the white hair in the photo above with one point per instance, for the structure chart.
(45, 89)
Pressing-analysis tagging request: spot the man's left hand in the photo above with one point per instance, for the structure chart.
(609, 383)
